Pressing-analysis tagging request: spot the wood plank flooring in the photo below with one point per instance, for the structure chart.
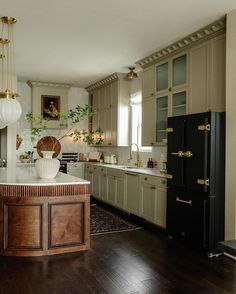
(130, 262)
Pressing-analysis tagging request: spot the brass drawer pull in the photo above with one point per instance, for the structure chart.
(183, 201)
(163, 182)
(153, 188)
(145, 178)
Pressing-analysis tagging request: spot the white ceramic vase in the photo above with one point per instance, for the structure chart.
(47, 167)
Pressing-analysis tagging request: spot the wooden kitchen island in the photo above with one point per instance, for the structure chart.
(40, 216)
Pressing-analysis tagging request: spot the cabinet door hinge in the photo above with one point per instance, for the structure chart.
(203, 182)
(204, 127)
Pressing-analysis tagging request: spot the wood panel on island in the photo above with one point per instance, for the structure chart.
(38, 220)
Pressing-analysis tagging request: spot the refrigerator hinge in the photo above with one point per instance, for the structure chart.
(169, 177)
(203, 182)
(204, 127)
(169, 130)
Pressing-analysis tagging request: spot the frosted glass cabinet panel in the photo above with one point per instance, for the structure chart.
(161, 118)
(179, 70)
(162, 77)
(179, 103)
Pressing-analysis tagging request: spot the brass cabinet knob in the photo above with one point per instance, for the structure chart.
(170, 89)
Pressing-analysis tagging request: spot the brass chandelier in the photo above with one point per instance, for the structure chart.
(10, 109)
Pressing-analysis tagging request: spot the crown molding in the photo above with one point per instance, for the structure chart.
(216, 28)
(48, 84)
(109, 79)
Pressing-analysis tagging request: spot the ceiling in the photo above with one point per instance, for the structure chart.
(82, 41)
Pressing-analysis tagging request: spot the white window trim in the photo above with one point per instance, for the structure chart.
(142, 149)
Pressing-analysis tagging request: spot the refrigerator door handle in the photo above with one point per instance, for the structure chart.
(183, 201)
(179, 153)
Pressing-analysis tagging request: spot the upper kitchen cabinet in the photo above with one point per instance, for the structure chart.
(171, 74)
(148, 82)
(207, 76)
(184, 78)
(110, 98)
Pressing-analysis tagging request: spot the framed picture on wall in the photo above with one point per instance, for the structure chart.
(50, 107)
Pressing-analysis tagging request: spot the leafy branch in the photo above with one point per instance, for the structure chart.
(39, 124)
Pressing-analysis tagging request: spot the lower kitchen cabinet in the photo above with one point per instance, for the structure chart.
(139, 194)
(120, 192)
(88, 175)
(148, 195)
(111, 189)
(115, 188)
(96, 183)
(153, 199)
(103, 187)
(132, 193)
(75, 169)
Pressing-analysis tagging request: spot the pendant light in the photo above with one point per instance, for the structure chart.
(131, 75)
(10, 108)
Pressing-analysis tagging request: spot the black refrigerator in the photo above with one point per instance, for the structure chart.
(196, 179)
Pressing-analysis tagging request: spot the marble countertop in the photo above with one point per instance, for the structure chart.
(146, 171)
(28, 176)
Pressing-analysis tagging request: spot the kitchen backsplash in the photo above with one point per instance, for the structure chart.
(123, 154)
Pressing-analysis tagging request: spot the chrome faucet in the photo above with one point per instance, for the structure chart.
(137, 163)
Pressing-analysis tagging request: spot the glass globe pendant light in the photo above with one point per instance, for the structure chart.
(10, 108)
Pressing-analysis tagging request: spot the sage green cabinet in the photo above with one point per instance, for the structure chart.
(111, 103)
(191, 82)
(152, 193)
(148, 122)
(148, 82)
(132, 193)
(116, 188)
(207, 76)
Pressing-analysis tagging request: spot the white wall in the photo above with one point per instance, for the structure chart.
(230, 193)
(75, 96)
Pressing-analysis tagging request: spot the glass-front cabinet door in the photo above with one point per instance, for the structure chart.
(162, 77)
(179, 103)
(161, 119)
(171, 97)
(179, 71)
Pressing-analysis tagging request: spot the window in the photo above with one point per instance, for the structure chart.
(136, 121)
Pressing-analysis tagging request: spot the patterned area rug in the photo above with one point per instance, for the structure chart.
(104, 222)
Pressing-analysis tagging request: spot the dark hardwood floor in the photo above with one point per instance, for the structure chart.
(130, 262)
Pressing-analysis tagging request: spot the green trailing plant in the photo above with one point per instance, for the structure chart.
(67, 120)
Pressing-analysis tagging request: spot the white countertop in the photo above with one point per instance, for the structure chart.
(28, 176)
(146, 171)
